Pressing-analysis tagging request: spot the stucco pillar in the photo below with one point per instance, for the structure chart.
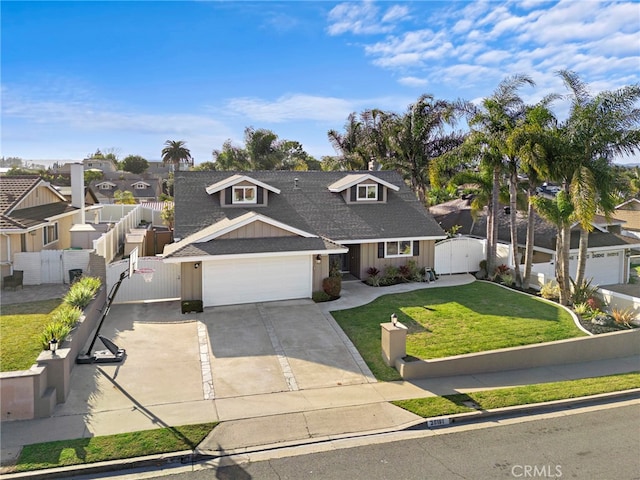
(394, 342)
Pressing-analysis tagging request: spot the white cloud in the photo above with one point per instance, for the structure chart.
(396, 12)
(413, 81)
(364, 18)
(484, 41)
(292, 107)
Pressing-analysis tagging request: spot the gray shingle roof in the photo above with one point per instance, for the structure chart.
(251, 245)
(310, 207)
(545, 232)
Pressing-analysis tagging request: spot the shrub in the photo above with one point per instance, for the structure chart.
(390, 276)
(415, 272)
(594, 303)
(56, 330)
(93, 283)
(580, 293)
(404, 273)
(623, 317)
(332, 286)
(373, 271)
(320, 296)
(506, 279)
(67, 315)
(501, 269)
(374, 277)
(79, 295)
(582, 309)
(550, 291)
(334, 269)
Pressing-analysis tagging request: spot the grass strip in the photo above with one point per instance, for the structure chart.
(20, 328)
(507, 397)
(79, 451)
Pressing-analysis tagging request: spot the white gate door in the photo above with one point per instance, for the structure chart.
(51, 266)
(459, 255)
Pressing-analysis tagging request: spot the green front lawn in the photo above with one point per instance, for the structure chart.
(111, 447)
(20, 328)
(455, 320)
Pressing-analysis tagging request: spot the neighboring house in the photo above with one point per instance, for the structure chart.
(34, 216)
(261, 236)
(143, 190)
(607, 263)
(629, 213)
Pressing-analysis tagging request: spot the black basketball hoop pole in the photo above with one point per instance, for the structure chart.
(113, 354)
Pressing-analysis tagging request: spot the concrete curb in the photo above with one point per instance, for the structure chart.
(188, 457)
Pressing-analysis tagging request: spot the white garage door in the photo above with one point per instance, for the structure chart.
(227, 282)
(605, 268)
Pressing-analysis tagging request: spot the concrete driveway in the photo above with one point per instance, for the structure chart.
(277, 346)
(176, 364)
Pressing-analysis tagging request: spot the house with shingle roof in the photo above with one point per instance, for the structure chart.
(273, 235)
(34, 216)
(608, 250)
(143, 189)
(629, 213)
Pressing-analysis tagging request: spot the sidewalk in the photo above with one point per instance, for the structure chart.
(306, 415)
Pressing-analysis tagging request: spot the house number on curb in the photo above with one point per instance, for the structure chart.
(438, 422)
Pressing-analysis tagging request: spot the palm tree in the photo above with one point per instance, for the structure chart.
(533, 143)
(419, 137)
(598, 128)
(175, 152)
(350, 145)
(491, 125)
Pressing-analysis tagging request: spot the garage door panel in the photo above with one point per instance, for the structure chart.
(228, 282)
(603, 267)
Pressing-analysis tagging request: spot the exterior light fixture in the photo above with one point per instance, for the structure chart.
(318, 259)
(196, 265)
(53, 346)
(394, 319)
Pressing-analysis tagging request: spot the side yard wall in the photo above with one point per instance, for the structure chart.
(575, 350)
(34, 393)
(620, 300)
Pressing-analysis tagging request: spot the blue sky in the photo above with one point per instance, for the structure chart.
(127, 76)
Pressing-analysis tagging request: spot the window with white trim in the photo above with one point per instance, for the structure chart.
(367, 191)
(50, 234)
(244, 194)
(402, 248)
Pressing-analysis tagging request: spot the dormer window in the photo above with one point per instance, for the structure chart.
(367, 191)
(244, 194)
